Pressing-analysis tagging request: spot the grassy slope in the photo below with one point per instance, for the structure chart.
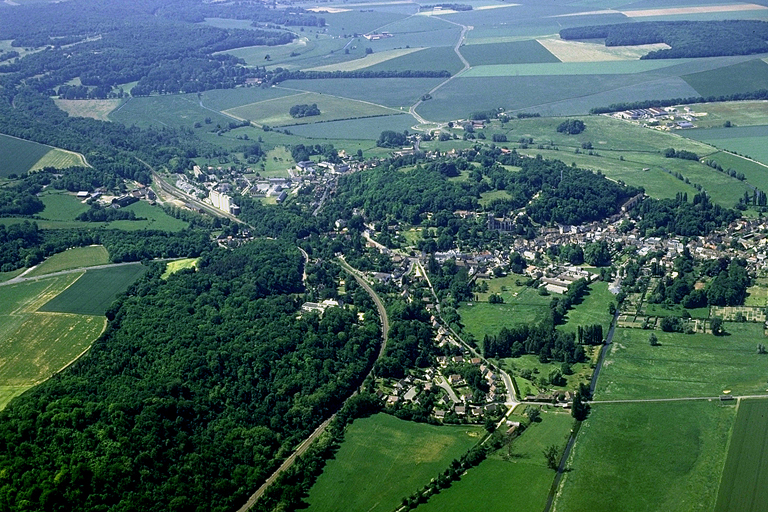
(72, 258)
(649, 457)
(19, 155)
(384, 459)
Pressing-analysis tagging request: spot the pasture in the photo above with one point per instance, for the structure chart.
(72, 258)
(95, 290)
(593, 309)
(514, 478)
(18, 156)
(582, 372)
(61, 206)
(384, 459)
(275, 112)
(481, 318)
(95, 109)
(756, 173)
(757, 295)
(684, 365)
(748, 76)
(647, 456)
(744, 483)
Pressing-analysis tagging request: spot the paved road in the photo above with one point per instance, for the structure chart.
(448, 389)
(319, 430)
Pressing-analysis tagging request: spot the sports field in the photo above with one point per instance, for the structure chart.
(744, 484)
(95, 290)
(684, 365)
(647, 456)
(515, 478)
(384, 459)
(73, 258)
(275, 112)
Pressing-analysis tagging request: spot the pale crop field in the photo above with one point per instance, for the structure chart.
(95, 109)
(366, 61)
(579, 51)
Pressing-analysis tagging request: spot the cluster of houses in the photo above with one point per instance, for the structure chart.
(652, 117)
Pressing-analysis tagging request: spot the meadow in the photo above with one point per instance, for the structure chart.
(481, 318)
(756, 173)
(172, 110)
(743, 484)
(95, 290)
(739, 113)
(61, 206)
(757, 295)
(514, 478)
(174, 266)
(582, 372)
(60, 159)
(384, 459)
(593, 309)
(684, 365)
(275, 112)
(72, 258)
(19, 155)
(647, 456)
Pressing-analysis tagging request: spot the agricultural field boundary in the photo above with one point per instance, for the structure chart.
(80, 156)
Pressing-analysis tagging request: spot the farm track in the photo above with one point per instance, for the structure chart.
(465, 62)
(319, 430)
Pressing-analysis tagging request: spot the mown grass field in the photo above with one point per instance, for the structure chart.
(384, 459)
(34, 345)
(73, 258)
(515, 478)
(95, 290)
(61, 206)
(647, 456)
(275, 112)
(744, 484)
(747, 76)
(684, 365)
(19, 155)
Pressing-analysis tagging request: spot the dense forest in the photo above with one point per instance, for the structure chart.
(226, 399)
(680, 217)
(687, 39)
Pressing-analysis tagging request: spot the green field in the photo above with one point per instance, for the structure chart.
(757, 295)
(172, 110)
(519, 481)
(751, 141)
(557, 68)
(275, 112)
(72, 258)
(582, 372)
(33, 344)
(390, 92)
(744, 484)
(747, 76)
(684, 365)
(518, 52)
(524, 306)
(19, 155)
(175, 266)
(739, 113)
(363, 128)
(61, 206)
(647, 457)
(756, 173)
(592, 310)
(431, 59)
(60, 159)
(384, 459)
(95, 290)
